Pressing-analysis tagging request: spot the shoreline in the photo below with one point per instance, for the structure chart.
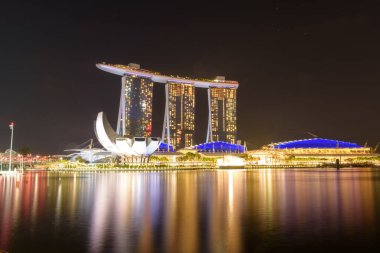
(176, 167)
(192, 168)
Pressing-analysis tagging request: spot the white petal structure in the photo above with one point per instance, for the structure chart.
(120, 145)
(90, 155)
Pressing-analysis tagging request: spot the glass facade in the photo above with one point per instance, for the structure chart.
(181, 114)
(223, 114)
(138, 106)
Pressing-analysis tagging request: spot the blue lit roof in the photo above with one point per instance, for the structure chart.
(164, 147)
(219, 147)
(314, 143)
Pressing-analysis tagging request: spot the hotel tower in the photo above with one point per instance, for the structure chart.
(180, 114)
(222, 114)
(135, 111)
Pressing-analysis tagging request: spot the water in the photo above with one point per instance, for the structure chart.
(264, 210)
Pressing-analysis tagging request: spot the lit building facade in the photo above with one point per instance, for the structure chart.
(135, 112)
(181, 114)
(222, 119)
(218, 147)
(312, 153)
(138, 96)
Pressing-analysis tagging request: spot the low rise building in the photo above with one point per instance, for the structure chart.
(313, 152)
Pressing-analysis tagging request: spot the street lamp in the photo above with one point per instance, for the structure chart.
(11, 126)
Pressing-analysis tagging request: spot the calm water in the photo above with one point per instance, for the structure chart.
(192, 211)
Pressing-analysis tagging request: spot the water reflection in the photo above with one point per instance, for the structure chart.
(187, 211)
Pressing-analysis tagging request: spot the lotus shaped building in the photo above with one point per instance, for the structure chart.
(122, 145)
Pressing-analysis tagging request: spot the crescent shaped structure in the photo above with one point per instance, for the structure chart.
(123, 146)
(135, 110)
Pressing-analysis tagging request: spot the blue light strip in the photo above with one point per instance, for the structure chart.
(164, 147)
(219, 147)
(315, 143)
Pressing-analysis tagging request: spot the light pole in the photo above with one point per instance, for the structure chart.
(11, 126)
(22, 163)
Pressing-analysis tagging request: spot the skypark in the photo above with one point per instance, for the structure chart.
(134, 69)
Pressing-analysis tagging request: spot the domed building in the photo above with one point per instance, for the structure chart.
(315, 151)
(319, 146)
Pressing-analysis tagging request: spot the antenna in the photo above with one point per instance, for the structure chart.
(11, 126)
(314, 135)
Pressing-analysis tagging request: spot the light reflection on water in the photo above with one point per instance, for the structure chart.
(190, 211)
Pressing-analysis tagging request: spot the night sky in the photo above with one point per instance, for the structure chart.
(303, 66)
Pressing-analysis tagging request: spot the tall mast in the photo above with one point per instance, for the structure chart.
(11, 126)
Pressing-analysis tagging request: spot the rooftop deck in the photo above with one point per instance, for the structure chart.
(122, 70)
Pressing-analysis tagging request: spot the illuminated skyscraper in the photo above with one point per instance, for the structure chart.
(222, 116)
(135, 112)
(135, 107)
(181, 102)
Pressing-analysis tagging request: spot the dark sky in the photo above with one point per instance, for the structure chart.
(303, 66)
